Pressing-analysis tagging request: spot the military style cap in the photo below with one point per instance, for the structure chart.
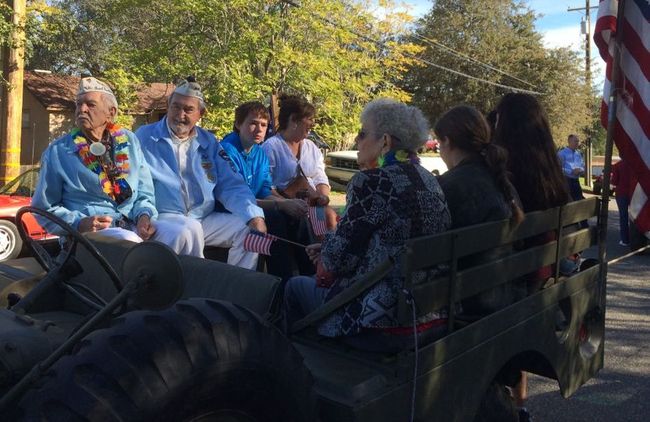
(90, 84)
(189, 88)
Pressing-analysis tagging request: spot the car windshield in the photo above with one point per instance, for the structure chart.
(22, 185)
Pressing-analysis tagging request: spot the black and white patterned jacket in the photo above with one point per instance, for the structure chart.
(385, 207)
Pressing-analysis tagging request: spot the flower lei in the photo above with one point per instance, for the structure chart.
(119, 187)
(399, 156)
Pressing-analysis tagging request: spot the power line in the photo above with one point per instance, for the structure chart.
(414, 57)
(469, 58)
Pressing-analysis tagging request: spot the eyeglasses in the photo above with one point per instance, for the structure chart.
(362, 134)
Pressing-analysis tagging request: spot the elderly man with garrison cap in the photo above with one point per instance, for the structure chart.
(95, 177)
(191, 171)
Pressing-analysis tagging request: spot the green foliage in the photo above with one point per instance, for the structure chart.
(6, 26)
(238, 50)
(500, 33)
(242, 50)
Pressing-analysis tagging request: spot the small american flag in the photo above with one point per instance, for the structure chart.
(317, 218)
(259, 242)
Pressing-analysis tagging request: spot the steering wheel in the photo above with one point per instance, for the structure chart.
(51, 265)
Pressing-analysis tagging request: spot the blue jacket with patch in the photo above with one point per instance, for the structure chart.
(215, 172)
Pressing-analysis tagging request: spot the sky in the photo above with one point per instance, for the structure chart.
(559, 27)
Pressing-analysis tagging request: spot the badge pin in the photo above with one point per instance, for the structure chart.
(97, 149)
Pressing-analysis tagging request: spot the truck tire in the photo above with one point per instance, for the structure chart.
(200, 359)
(10, 242)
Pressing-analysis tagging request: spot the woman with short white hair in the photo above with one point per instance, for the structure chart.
(391, 200)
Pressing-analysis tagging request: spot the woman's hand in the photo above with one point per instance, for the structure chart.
(322, 195)
(313, 252)
(324, 278)
(322, 200)
(318, 200)
(296, 208)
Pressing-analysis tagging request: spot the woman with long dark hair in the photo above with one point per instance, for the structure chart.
(522, 128)
(477, 190)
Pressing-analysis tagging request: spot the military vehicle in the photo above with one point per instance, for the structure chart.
(117, 331)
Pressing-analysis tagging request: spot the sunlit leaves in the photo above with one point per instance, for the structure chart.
(238, 50)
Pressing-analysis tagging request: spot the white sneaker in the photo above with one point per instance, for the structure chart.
(620, 242)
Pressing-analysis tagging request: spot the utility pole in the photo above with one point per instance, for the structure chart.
(11, 114)
(586, 30)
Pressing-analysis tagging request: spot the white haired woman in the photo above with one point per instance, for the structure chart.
(390, 201)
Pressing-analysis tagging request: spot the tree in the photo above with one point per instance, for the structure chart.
(238, 50)
(501, 34)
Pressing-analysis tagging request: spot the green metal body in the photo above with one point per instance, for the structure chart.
(453, 372)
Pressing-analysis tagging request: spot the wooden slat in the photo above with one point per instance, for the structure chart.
(577, 211)
(490, 326)
(432, 295)
(427, 251)
(430, 251)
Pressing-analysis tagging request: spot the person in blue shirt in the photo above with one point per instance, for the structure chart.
(573, 166)
(282, 215)
(243, 147)
(95, 177)
(191, 171)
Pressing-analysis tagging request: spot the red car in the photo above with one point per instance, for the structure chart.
(432, 145)
(14, 195)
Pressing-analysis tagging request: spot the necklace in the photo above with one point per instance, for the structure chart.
(112, 171)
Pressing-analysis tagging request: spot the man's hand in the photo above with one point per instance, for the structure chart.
(144, 228)
(296, 208)
(577, 171)
(257, 224)
(94, 223)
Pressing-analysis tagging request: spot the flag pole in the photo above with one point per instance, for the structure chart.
(614, 91)
(290, 241)
(281, 239)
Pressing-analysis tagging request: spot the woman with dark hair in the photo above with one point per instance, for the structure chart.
(522, 128)
(476, 188)
(291, 154)
(476, 184)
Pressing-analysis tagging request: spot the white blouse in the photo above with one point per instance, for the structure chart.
(284, 165)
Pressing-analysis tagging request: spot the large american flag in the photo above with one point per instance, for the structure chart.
(632, 123)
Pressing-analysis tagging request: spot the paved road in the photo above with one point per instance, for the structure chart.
(621, 391)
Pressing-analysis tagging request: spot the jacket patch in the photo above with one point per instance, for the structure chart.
(223, 154)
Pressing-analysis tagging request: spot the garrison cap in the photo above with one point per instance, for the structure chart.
(189, 88)
(90, 84)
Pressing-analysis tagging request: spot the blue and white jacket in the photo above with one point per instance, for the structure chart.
(214, 171)
(71, 191)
